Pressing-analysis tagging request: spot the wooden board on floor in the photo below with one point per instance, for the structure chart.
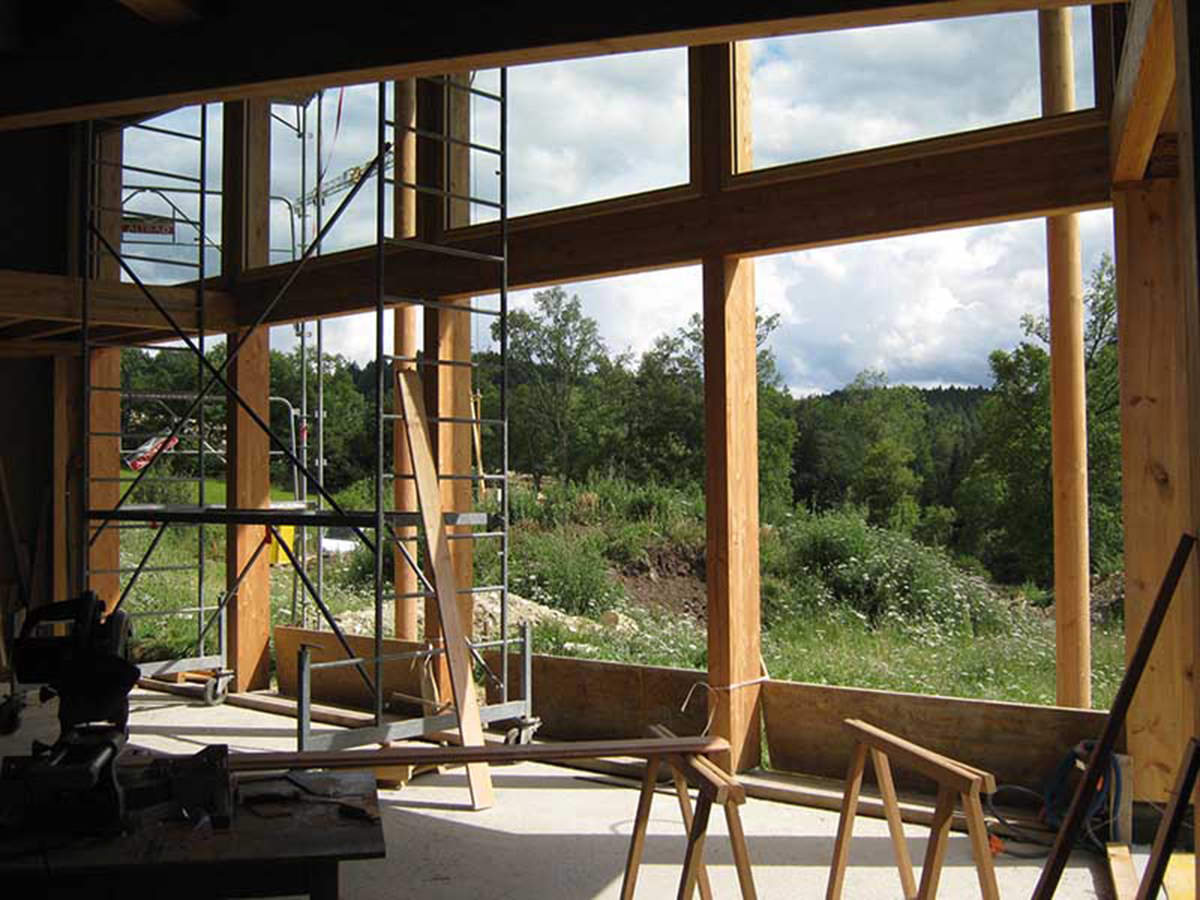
(453, 633)
(1121, 870)
(1180, 879)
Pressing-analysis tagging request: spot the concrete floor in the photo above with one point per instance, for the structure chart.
(559, 833)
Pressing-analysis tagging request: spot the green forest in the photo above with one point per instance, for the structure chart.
(906, 533)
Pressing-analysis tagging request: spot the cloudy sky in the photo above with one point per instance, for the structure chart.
(927, 309)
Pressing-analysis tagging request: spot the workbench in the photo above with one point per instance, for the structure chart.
(288, 837)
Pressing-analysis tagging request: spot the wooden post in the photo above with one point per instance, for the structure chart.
(731, 479)
(405, 344)
(1155, 473)
(720, 127)
(454, 342)
(1068, 403)
(244, 227)
(1187, 93)
(447, 334)
(104, 453)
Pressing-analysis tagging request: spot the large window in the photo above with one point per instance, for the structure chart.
(820, 95)
(592, 129)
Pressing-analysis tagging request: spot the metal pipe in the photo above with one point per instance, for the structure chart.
(380, 237)
(504, 498)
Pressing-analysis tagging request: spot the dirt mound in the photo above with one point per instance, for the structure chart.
(672, 580)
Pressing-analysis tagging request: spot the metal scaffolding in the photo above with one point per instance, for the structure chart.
(380, 529)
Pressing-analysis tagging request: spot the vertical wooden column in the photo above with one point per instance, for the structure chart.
(721, 145)
(404, 343)
(447, 333)
(731, 491)
(104, 452)
(454, 342)
(1068, 397)
(1187, 94)
(431, 226)
(1156, 480)
(244, 241)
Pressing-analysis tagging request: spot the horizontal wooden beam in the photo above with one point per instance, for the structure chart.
(643, 748)
(1010, 172)
(66, 73)
(1144, 84)
(59, 298)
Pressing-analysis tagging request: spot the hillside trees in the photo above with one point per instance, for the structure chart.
(1006, 501)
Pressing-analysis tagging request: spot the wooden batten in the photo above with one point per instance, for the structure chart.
(245, 233)
(1155, 473)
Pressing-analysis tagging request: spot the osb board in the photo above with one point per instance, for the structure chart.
(343, 686)
(583, 699)
(1016, 742)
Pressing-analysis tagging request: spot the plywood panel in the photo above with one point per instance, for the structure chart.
(583, 699)
(1018, 743)
(343, 686)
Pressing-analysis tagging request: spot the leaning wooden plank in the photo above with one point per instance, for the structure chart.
(445, 587)
(1124, 875)
(493, 753)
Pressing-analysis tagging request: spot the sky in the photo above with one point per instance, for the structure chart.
(926, 309)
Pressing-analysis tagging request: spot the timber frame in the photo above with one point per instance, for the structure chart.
(1138, 149)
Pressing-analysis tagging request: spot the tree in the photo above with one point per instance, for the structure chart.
(1013, 471)
(552, 349)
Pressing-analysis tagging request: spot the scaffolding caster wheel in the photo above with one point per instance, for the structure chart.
(216, 689)
(522, 730)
